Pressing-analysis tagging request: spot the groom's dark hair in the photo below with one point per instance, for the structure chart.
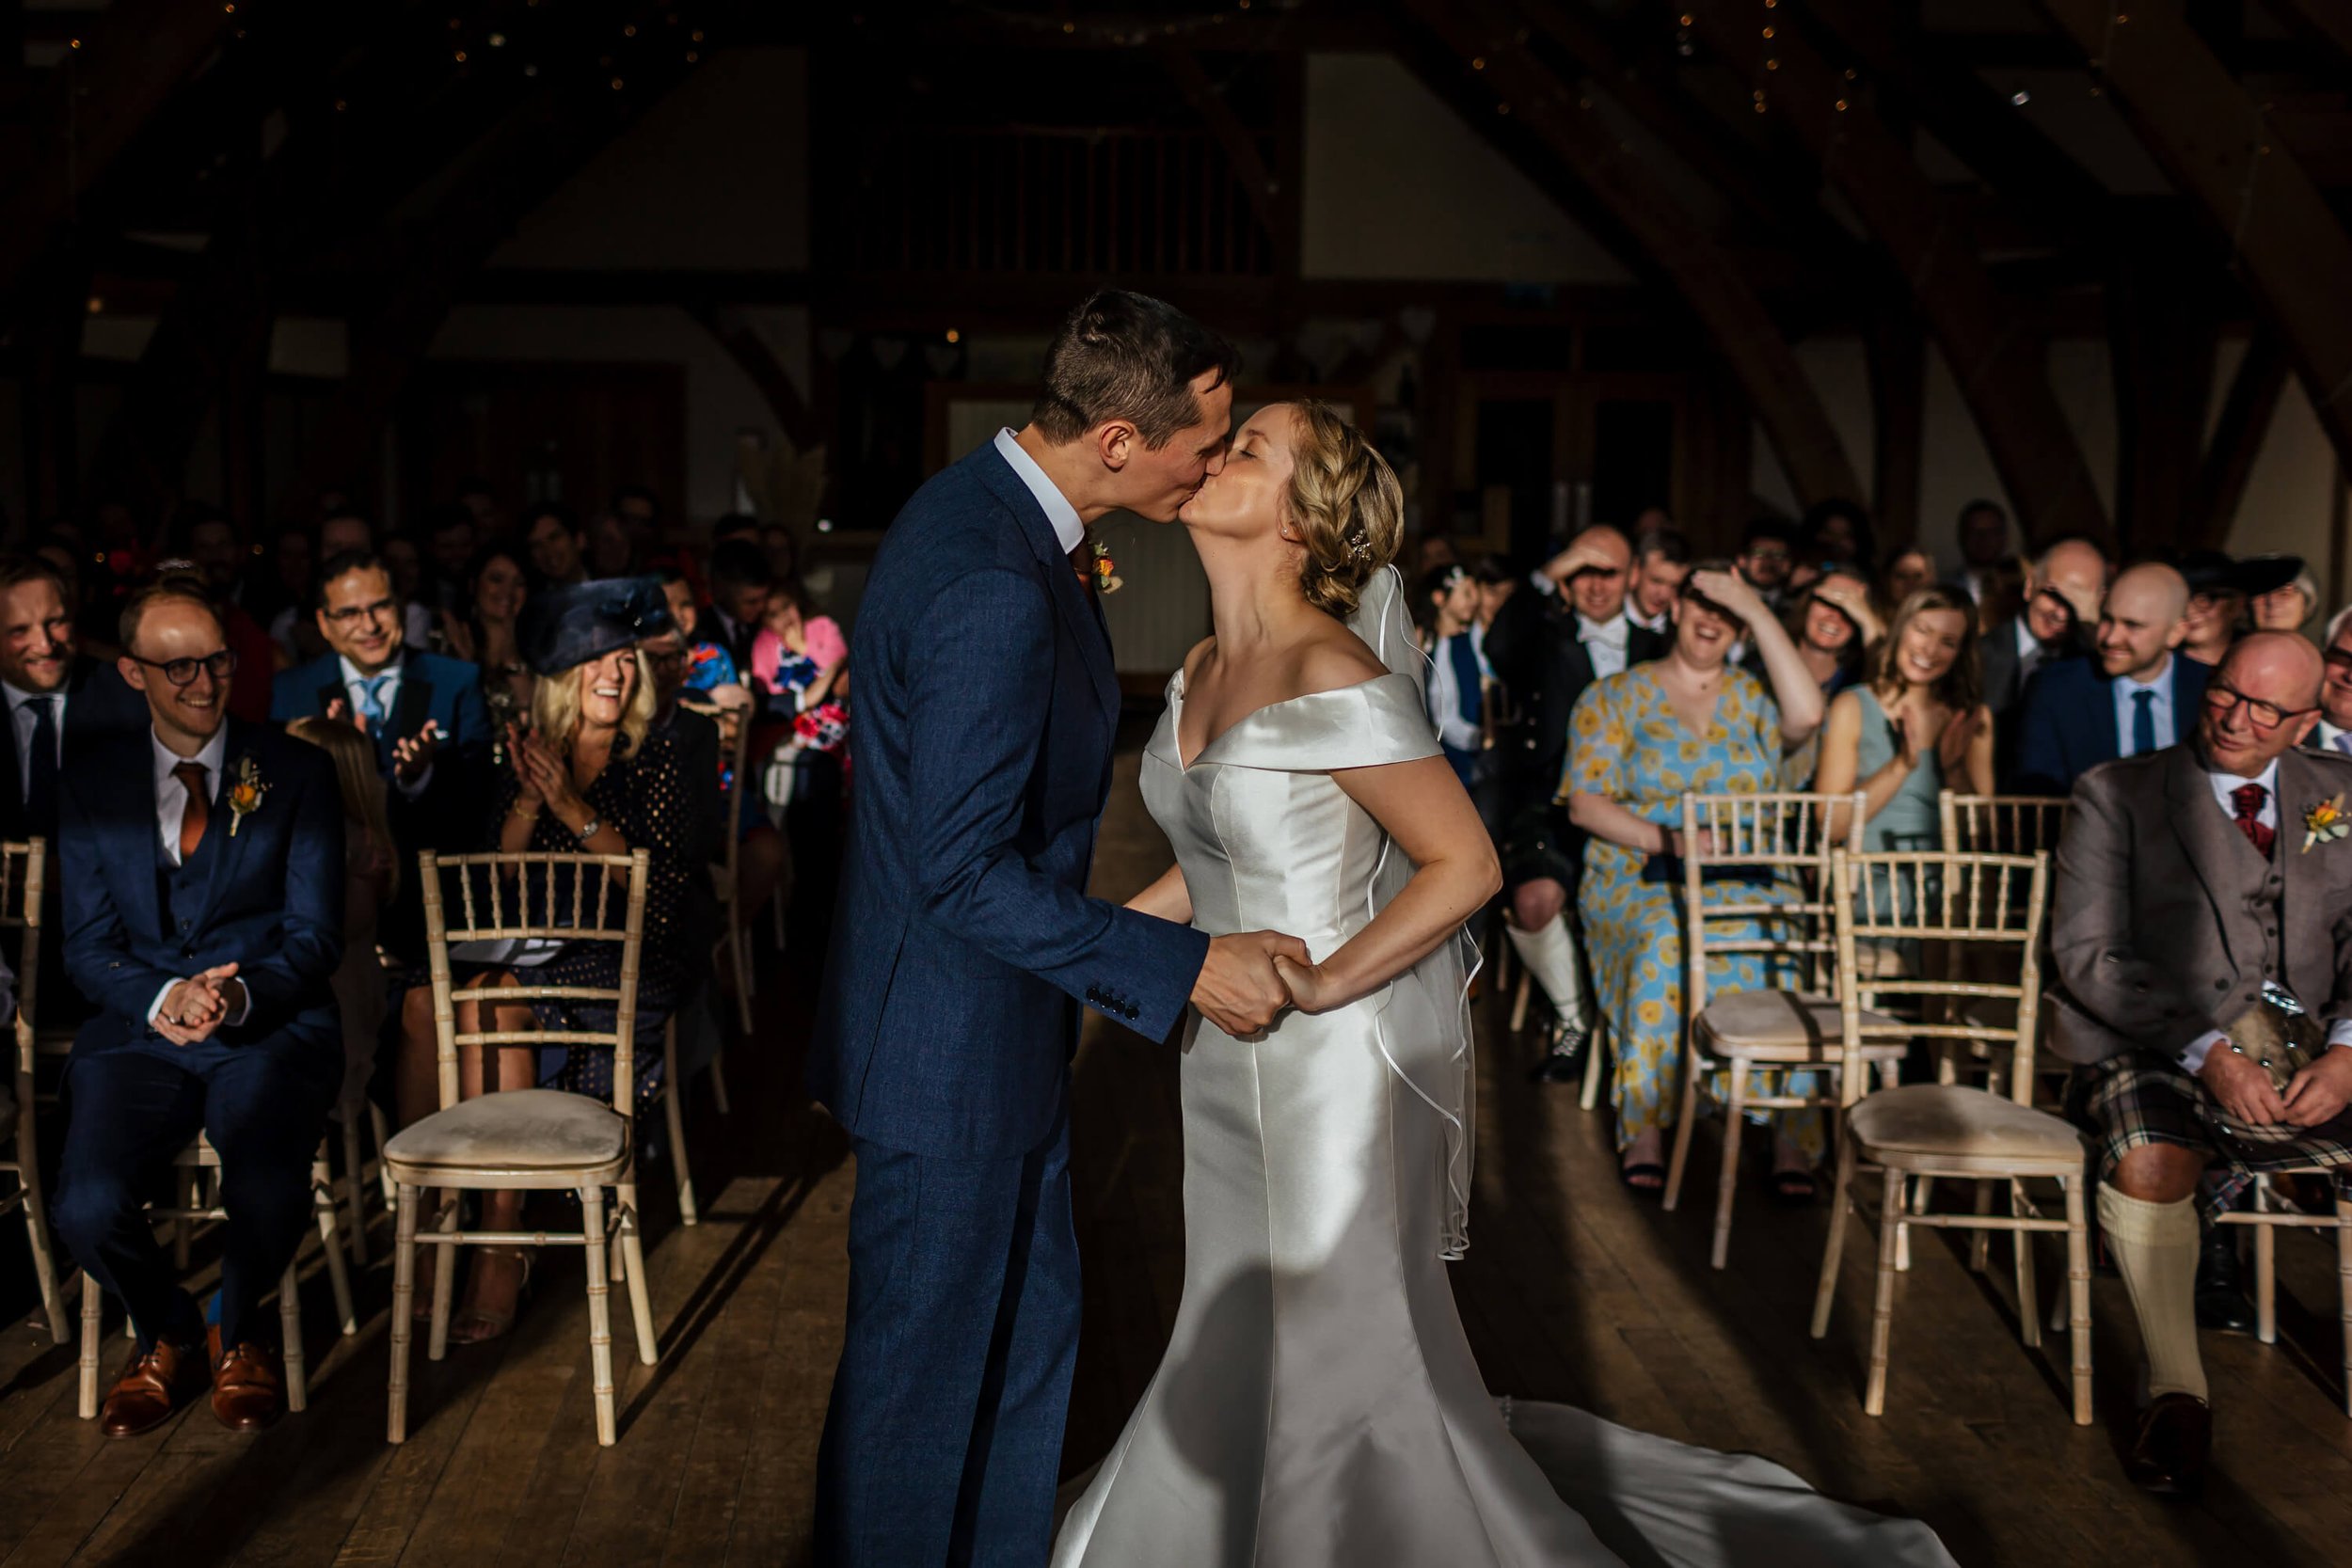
(1122, 355)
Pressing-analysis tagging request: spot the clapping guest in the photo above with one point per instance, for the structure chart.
(588, 774)
(203, 866)
(1915, 726)
(1691, 721)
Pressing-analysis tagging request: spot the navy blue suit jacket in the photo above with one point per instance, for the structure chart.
(432, 687)
(270, 896)
(986, 707)
(99, 705)
(2067, 726)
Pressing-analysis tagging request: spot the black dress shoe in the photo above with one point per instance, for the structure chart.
(2167, 1457)
(2222, 1302)
(1564, 1062)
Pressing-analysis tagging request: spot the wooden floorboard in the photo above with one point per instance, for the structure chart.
(1574, 1290)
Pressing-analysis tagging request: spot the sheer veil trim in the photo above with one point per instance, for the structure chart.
(1433, 994)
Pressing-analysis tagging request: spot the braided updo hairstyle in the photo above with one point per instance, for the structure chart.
(1345, 505)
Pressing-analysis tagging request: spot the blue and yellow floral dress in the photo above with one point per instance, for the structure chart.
(1626, 742)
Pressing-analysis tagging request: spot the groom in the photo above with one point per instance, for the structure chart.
(987, 705)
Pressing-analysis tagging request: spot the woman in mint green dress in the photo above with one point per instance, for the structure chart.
(1637, 741)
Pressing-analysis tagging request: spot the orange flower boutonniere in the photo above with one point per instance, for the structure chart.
(244, 794)
(1106, 578)
(2325, 823)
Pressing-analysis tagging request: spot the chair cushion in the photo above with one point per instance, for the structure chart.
(1750, 1022)
(515, 1129)
(1951, 1121)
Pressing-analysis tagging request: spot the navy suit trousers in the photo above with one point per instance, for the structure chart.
(943, 1441)
(129, 1111)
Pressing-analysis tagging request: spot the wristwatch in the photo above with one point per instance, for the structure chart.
(587, 830)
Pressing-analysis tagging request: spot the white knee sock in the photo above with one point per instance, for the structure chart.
(1550, 956)
(2156, 1248)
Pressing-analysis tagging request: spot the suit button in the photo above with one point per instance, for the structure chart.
(2221, 984)
(188, 952)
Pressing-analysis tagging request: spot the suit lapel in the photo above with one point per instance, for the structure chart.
(2217, 851)
(224, 845)
(1085, 619)
(2105, 735)
(2303, 875)
(414, 705)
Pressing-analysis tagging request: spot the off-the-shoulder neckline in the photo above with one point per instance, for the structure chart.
(1176, 713)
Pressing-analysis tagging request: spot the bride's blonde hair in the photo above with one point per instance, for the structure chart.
(1346, 505)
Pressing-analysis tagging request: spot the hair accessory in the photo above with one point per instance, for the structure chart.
(1360, 546)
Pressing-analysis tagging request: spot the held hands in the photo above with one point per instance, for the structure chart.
(2319, 1092)
(1240, 988)
(1730, 590)
(195, 1008)
(2244, 1089)
(546, 779)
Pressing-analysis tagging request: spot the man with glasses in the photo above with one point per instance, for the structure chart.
(203, 866)
(2199, 909)
(425, 713)
(2135, 695)
(1767, 559)
(2333, 733)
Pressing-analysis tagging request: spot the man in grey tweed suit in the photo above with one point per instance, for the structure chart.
(2186, 879)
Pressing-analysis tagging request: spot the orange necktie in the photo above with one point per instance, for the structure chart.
(193, 820)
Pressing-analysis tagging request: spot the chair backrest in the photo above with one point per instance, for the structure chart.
(735, 733)
(2001, 823)
(1784, 840)
(1990, 901)
(544, 896)
(24, 879)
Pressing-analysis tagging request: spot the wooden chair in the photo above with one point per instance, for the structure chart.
(197, 1172)
(532, 1139)
(735, 942)
(2267, 1221)
(2001, 823)
(23, 869)
(1953, 1130)
(1784, 837)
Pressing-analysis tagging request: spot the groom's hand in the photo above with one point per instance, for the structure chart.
(1238, 989)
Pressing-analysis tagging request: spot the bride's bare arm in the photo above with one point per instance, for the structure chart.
(1168, 898)
(1423, 809)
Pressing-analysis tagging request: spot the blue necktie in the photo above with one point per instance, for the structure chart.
(372, 701)
(41, 794)
(2143, 724)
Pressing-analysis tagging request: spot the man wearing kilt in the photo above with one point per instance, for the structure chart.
(2204, 895)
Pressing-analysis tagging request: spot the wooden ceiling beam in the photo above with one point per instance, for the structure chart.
(2001, 365)
(2209, 136)
(2238, 437)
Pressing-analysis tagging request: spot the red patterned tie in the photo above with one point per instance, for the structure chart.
(2249, 800)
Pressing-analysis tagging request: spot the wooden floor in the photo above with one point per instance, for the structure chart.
(1571, 1292)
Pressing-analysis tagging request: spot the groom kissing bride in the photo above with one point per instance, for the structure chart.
(1318, 1403)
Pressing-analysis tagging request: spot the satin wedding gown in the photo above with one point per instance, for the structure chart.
(1318, 1404)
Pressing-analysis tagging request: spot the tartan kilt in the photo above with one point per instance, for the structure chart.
(2137, 1098)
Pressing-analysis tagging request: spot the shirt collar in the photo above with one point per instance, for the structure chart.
(1067, 528)
(1611, 631)
(18, 696)
(210, 757)
(2225, 782)
(352, 677)
(2163, 681)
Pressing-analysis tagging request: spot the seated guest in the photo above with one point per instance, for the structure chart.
(2287, 609)
(423, 711)
(798, 657)
(2220, 590)
(60, 704)
(586, 775)
(2188, 886)
(1835, 626)
(1662, 558)
(484, 636)
(709, 668)
(341, 532)
(1448, 611)
(1905, 573)
(2134, 696)
(1767, 559)
(371, 882)
(1913, 729)
(2333, 733)
(1835, 533)
(1689, 721)
(1984, 545)
(1497, 582)
(2064, 587)
(559, 550)
(740, 585)
(204, 868)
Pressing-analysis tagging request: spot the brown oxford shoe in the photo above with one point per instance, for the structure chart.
(249, 1387)
(2167, 1457)
(157, 1381)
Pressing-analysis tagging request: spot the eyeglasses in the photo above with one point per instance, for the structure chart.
(350, 613)
(2340, 661)
(182, 672)
(1769, 552)
(2222, 702)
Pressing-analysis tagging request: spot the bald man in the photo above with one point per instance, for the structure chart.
(2189, 885)
(2136, 693)
(2065, 586)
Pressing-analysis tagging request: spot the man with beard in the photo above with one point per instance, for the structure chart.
(1546, 647)
(2136, 695)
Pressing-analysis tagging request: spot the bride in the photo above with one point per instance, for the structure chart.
(1318, 1403)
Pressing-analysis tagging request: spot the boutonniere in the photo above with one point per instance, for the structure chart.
(244, 794)
(1106, 578)
(2326, 822)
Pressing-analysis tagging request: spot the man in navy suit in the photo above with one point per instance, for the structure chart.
(203, 865)
(424, 712)
(2138, 694)
(963, 939)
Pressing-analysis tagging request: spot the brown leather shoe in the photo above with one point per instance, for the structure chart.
(249, 1387)
(2167, 1457)
(151, 1387)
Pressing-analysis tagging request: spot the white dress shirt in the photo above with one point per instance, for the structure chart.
(2127, 708)
(356, 686)
(1068, 527)
(2224, 785)
(2331, 738)
(24, 716)
(1604, 643)
(171, 811)
(1445, 694)
(2030, 653)
(1637, 618)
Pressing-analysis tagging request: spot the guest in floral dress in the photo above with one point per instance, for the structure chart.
(1638, 740)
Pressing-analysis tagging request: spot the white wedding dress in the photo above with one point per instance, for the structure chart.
(1318, 1403)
